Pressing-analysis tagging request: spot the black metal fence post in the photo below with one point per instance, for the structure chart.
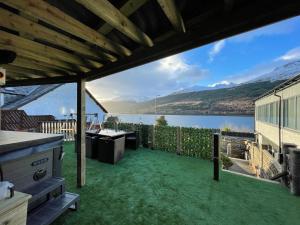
(216, 157)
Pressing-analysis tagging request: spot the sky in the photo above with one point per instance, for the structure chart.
(236, 59)
(57, 105)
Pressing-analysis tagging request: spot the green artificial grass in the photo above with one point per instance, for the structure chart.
(154, 187)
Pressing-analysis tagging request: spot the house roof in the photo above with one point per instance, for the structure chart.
(60, 41)
(294, 80)
(19, 120)
(16, 120)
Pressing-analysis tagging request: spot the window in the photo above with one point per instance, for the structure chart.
(268, 113)
(285, 113)
(298, 113)
(277, 112)
(289, 111)
(272, 113)
(292, 113)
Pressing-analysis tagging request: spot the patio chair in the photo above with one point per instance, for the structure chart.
(132, 140)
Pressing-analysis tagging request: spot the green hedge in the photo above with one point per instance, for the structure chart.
(165, 138)
(197, 142)
(193, 142)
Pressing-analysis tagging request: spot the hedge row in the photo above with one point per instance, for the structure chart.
(194, 142)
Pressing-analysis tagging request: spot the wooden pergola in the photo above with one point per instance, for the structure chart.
(63, 41)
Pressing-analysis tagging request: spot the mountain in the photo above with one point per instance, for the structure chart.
(130, 98)
(237, 100)
(283, 72)
(204, 88)
(221, 98)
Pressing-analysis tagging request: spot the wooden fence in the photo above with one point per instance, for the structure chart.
(67, 128)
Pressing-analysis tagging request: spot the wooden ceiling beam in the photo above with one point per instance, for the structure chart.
(39, 57)
(22, 43)
(16, 76)
(173, 14)
(109, 13)
(52, 15)
(37, 65)
(127, 9)
(23, 70)
(42, 81)
(28, 26)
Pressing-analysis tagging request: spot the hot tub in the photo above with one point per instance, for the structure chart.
(33, 163)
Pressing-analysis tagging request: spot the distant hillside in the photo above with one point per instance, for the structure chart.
(282, 72)
(238, 100)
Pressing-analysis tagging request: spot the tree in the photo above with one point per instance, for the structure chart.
(161, 121)
(112, 119)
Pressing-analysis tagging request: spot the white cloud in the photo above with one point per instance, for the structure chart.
(173, 64)
(216, 49)
(159, 77)
(224, 82)
(293, 54)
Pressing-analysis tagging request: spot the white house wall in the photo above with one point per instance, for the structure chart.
(270, 131)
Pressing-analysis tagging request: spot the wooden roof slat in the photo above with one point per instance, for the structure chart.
(37, 65)
(29, 26)
(23, 70)
(34, 56)
(20, 42)
(16, 76)
(109, 13)
(127, 9)
(171, 11)
(52, 15)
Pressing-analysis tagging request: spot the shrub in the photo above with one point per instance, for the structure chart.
(226, 161)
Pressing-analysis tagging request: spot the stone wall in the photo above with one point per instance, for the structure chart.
(262, 162)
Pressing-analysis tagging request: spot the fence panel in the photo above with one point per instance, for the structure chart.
(197, 142)
(193, 142)
(67, 128)
(165, 138)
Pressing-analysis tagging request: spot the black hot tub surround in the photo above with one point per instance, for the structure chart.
(33, 163)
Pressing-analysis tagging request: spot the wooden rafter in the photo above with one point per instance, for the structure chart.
(40, 57)
(28, 45)
(23, 70)
(109, 13)
(16, 76)
(52, 15)
(127, 9)
(37, 65)
(170, 9)
(31, 27)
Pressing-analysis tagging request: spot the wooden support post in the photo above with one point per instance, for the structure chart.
(81, 123)
(216, 157)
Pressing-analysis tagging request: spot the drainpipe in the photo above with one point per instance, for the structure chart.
(279, 127)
